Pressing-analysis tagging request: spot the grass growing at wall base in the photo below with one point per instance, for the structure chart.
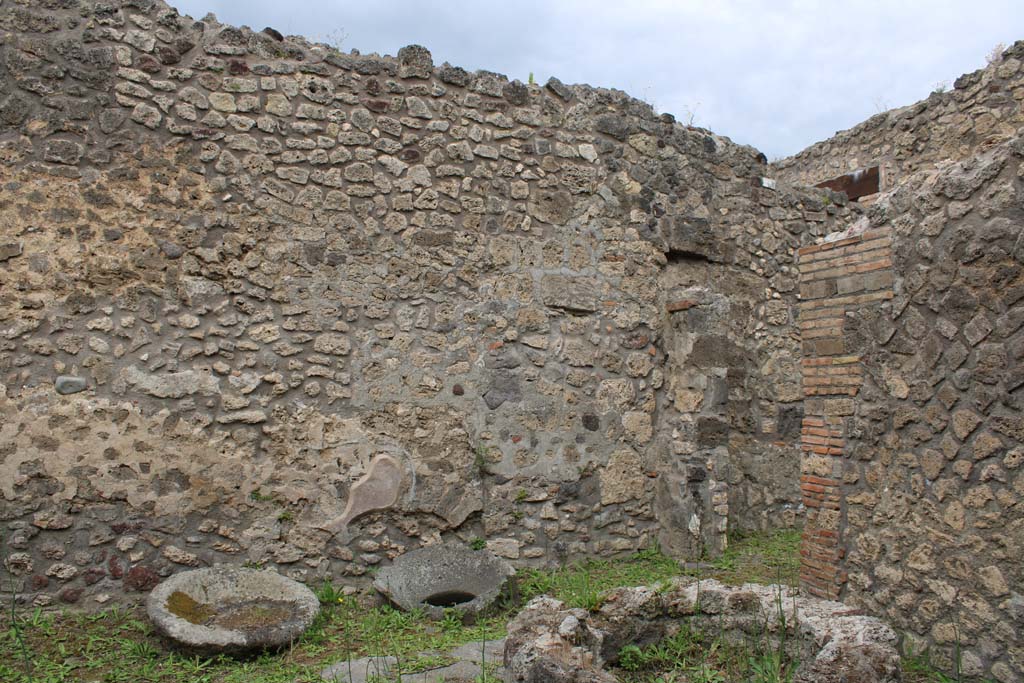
(772, 557)
(118, 645)
(695, 655)
(918, 668)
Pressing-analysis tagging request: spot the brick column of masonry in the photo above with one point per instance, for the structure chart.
(834, 277)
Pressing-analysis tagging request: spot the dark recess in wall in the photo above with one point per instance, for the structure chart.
(860, 183)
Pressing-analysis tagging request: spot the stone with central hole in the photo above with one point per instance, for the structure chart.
(442, 577)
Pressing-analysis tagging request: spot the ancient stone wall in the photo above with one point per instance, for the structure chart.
(264, 302)
(982, 108)
(914, 436)
(909, 324)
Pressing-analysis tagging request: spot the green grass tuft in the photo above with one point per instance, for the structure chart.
(770, 557)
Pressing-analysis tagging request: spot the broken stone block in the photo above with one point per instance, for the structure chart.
(569, 292)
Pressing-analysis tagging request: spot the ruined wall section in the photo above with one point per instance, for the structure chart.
(733, 363)
(263, 301)
(983, 108)
(914, 481)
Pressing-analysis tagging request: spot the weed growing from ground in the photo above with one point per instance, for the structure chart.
(16, 629)
(329, 595)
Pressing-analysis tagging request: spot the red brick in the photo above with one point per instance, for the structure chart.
(876, 233)
(812, 479)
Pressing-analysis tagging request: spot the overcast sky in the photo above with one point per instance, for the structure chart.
(776, 74)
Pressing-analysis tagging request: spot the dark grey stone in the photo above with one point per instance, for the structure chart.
(453, 75)
(790, 421)
(1014, 378)
(369, 66)
(607, 518)
(415, 61)
(14, 110)
(567, 491)
(692, 238)
(171, 250)
(69, 384)
(516, 93)
(273, 33)
(167, 54)
(488, 83)
(63, 152)
(616, 126)
(561, 89)
(504, 387)
(10, 250)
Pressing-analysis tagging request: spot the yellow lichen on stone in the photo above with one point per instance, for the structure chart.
(182, 605)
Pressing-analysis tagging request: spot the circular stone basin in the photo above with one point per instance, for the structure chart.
(227, 609)
(441, 577)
